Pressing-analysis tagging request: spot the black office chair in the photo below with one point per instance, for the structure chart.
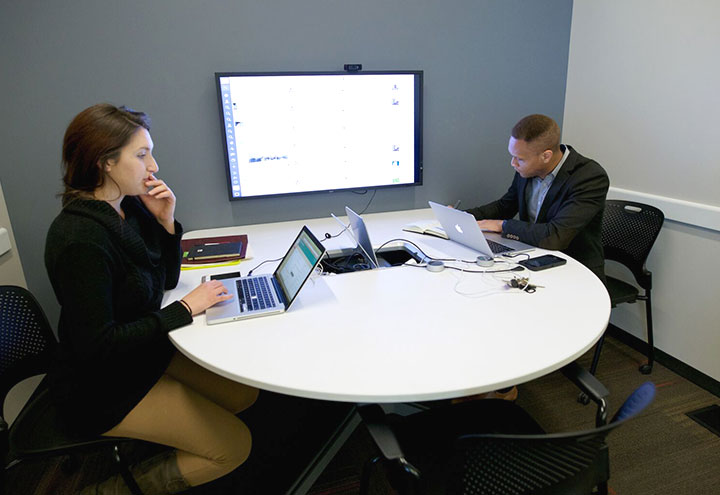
(629, 231)
(492, 447)
(27, 344)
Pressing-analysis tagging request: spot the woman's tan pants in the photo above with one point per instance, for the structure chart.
(193, 410)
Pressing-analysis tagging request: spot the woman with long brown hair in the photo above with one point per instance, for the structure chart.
(110, 254)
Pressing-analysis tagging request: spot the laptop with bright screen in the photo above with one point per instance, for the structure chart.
(262, 295)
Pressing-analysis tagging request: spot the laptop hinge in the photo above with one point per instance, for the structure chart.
(279, 291)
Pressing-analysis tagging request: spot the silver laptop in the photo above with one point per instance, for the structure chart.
(360, 233)
(462, 228)
(262, 295)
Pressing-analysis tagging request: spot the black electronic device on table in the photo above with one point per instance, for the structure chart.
(221, 276)
(542, 262)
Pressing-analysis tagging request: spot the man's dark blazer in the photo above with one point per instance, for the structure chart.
(570, 218)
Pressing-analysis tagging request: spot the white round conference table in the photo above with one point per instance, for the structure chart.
(397, 334)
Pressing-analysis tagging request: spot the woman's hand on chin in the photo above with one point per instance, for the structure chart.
(160, 201)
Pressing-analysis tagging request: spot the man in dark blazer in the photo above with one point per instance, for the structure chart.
(558, 193)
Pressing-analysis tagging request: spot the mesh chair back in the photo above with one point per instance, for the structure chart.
(26, 339)
(27, 346)
(557, 463)
(571, 464)
(629, 231)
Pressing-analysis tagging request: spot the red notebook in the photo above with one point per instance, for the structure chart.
(187, 245)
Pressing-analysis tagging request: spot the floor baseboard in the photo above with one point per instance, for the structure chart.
(686, 371)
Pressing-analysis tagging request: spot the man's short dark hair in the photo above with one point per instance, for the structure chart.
(538, 130)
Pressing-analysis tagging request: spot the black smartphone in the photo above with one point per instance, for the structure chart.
(542, 262)
(221, 276)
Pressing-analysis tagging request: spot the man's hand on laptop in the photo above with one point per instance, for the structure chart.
(491, 225)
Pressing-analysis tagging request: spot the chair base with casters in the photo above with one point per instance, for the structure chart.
(493, 446)
(27, 347)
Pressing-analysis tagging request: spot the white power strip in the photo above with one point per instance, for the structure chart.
(4, 241)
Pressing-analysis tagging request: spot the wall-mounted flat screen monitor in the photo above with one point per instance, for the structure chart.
(290, 133)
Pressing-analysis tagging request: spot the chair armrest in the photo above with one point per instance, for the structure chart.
(591, 386)
(375, 420)
(384, 437)
(585, 381)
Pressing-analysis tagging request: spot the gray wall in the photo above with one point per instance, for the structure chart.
(486, 64)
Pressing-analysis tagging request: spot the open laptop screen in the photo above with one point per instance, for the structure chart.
(300, 260)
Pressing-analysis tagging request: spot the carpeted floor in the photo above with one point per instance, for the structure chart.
(663, 452)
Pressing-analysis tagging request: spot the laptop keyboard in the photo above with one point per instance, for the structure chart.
(255, 293)
(497, 247)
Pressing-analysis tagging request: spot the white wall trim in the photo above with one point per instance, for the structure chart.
(697, 214)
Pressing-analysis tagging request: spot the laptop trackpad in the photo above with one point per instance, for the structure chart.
(229, 307)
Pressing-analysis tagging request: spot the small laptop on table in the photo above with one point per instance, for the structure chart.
(462, 228)
(360, 233)
(263, 295)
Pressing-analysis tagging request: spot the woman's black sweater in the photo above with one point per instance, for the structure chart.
(109, 275)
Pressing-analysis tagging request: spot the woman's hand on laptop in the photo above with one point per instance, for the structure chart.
(491, 225)
(205, 295)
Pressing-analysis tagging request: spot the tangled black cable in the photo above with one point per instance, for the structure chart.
(368, 204)
(344, 265)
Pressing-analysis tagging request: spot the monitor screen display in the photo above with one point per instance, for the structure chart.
(290, 133)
